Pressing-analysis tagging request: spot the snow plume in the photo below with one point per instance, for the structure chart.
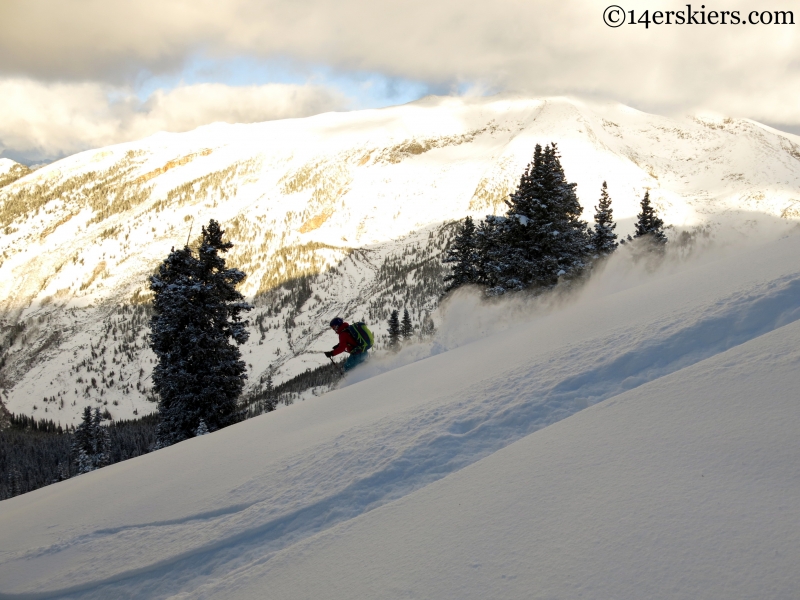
(468, 316)
(688, 248)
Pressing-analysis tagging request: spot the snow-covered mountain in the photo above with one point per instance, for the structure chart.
(635, 439)
(338, 214)
(10, 171)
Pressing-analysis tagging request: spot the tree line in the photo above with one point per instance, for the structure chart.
(541, 239)
(35, 453)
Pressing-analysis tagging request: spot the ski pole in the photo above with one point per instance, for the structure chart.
(338, 368)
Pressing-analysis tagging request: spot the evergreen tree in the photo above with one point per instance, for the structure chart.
(63, 471)
(199, 374)
(394, 330)
(202, 429)
(83, 442)
(462, 256)
(491, 250)
(649, 225)
(604, 240)
(269, 403)
(14, 482)
(91, 442)
(82, 436)
(406, 328)
(545, 236)
(101, 441)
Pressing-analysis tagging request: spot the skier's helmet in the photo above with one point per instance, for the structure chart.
(337, 322)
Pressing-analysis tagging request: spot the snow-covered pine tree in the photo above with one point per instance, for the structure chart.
(91, 442)
(462, 256)
(394, 330)
(269, 403)
(604, 240)
(199, 373)
(101, 441)
(202, 429)
(83, 443)
(546, 237)
(649, 225)
(492, 251)
(406, 327)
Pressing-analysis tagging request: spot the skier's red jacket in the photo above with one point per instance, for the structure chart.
(347, 343)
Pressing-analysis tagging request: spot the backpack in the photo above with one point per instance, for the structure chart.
(362, 335)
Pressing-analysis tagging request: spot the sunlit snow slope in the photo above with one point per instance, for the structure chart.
(458, 476)
(335, 214)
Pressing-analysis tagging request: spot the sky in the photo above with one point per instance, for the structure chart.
(89, 73)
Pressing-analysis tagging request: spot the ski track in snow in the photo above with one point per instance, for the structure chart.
(373, 464)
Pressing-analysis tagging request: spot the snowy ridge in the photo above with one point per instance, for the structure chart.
(260, 487)
(10, 171)
(335, 214)
(6, 164)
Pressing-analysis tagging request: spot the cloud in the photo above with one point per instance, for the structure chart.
(43, 121)
(69, 67)
(536, 46)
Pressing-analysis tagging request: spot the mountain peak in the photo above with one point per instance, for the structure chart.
(351, 208)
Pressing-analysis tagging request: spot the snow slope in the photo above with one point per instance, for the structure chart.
(685, 487)
(459, 475)
(368, 194)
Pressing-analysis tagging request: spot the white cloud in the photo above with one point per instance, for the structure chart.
(541, 47)
(49, 120)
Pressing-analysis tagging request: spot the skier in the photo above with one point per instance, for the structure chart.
(354, 339)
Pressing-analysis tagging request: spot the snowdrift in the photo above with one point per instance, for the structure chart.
(459, 475)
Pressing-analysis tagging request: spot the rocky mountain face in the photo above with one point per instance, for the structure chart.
(339, 214)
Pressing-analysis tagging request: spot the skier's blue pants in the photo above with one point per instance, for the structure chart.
(354, 360)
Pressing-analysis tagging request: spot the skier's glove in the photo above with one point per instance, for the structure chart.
(329, 354)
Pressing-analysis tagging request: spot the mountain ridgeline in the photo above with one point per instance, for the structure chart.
(344, 214)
